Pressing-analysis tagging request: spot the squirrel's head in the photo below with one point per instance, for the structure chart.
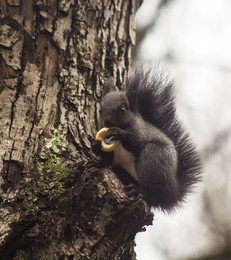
(115, 110)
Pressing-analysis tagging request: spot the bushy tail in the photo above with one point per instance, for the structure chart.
(152, 94)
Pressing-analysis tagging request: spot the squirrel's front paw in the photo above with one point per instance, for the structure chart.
(115, 133)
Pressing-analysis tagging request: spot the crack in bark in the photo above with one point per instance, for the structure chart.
(120, 19)
(13, 106)
(35, 114)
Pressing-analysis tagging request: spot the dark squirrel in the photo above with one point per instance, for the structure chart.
(155, 149)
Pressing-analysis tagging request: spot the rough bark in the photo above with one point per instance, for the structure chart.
(57, 201)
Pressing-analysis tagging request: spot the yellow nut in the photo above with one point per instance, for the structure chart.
(106, 147)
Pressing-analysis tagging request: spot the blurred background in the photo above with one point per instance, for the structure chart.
(192, 39)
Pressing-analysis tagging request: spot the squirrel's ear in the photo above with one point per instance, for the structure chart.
(109, 86)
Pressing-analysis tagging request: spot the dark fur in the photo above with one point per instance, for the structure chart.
(166, 161)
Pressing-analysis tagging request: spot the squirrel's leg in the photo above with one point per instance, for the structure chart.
(157, 172)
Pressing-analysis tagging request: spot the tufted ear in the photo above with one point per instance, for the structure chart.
(109, 86)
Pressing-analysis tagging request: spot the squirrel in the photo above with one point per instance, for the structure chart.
(154, 147)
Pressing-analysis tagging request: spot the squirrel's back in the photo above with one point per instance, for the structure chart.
(151, 94)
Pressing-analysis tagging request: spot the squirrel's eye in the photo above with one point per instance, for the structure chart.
(122, 110)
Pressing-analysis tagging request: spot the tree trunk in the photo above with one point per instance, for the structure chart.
(57, 201)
